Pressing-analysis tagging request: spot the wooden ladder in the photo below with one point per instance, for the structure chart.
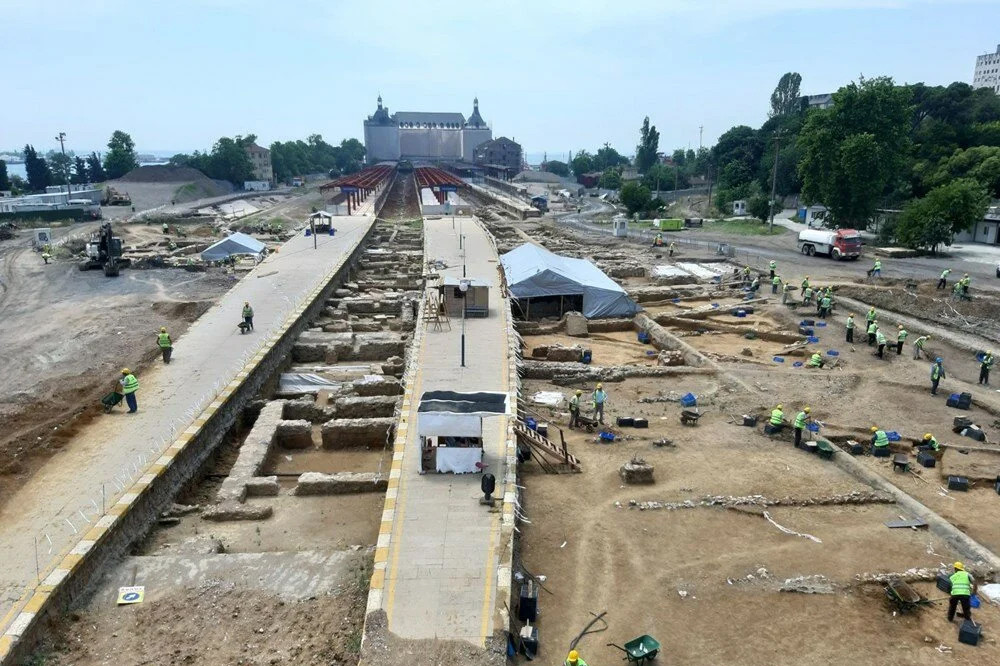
(550, 457)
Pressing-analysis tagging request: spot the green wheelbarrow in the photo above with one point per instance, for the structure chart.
(640, 650)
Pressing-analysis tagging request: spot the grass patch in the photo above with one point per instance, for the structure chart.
(744, 228)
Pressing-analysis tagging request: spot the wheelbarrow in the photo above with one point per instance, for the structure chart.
(640, 650)
(587, 423)
(111, 400)
(690, 416)
(904, 598)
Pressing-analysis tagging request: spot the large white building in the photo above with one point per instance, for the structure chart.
(988, 71)
(424, 136)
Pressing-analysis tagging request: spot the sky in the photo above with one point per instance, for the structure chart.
(554, 75)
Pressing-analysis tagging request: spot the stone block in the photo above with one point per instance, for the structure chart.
(356, 433)
(305, 408)
(356, 407)
(377, 385)
(295, 434)
(342, 483)
(636, 471)
(262, 486)
(563, 353)
(312, 353)
(377, 350)
(366, 326)
(337, 326)
(576, 325)
(235, 511)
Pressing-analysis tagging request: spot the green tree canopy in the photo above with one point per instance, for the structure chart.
(852, 153)
(607, 158)
(39, 175)
(946, 210)
(611, 179)
(80, 172)
(649, 144)
(635, 197)
(582, 162)
(556, 167)
(95, 169)
(4, 178)
(121, 157)
(61, 166)
(785, 98)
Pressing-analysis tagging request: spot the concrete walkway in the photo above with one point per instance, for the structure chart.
(65, 497)
(441, 573)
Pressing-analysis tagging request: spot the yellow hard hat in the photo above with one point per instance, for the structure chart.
(778, 407)
(807, 277)
(163, 329)
(125, 371)
(599, 385)
(928, 337)
(874, 428)
(246, 302)
(573, 655)
(927, 435)
(959, 565)
(851, 315)
(900, 327)
(579, 392)
(806, 410)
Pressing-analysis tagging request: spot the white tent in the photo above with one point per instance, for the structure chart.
(236, 243)
(450, 427)
(534, 272)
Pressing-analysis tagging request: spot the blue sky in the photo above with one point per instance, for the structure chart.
(556, 76)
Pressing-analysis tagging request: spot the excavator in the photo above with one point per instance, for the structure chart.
(104, 250)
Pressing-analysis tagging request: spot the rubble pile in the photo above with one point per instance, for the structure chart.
(729, 501)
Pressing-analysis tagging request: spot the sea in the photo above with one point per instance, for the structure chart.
(19, 170)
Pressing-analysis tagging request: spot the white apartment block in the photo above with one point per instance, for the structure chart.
(988, 71)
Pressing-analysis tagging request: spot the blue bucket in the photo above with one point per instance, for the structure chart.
(607, 436)
(778, 359)
(832, 352)
(741, 313)
(813, 339)
(892, 435)
(974, 601)
(980, 356)
(714, 305)
(643, 336)
(531, 423)
(587, 356)
(797, 364)
(812, 427)
(689, 400)
(309, 232)
(675, 300)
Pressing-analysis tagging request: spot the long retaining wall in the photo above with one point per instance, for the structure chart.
(138, 508)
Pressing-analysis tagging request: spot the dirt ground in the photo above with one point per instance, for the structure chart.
(65, 335)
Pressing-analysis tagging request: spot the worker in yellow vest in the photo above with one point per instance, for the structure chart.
(901, 334)
(880, 440)
(777, 421)
(129, 386)
(984, 368)
(165, 344)
(930, 443)
(880, 340)
(962, 589)
(573, 659)
(574, 409)
(815, 361)
(800, 423)
(772, 265)
(671, 248)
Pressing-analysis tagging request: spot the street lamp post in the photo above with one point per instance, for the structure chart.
(61, 138)
(463, 286)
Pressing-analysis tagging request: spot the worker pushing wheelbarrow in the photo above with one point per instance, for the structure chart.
(112, 400)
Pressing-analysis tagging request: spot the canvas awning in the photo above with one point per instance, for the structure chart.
(236, 243)
(533, 272)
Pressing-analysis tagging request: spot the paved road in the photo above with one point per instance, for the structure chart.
(441, 575)
(65, 495)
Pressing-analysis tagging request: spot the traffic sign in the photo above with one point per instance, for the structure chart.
(131, 595)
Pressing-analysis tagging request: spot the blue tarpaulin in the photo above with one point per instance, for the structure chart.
(533, 272)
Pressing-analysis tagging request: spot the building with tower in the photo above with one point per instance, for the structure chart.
(427, 136)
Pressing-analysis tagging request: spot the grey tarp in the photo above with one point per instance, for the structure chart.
(533, 271)
(236, 243)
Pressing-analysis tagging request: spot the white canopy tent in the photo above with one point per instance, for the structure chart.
(236, 243)
(450, 428)
(534, 272)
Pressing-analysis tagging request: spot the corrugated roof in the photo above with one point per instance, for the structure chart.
(428, 117)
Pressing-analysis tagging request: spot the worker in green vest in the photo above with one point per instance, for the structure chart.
(755, 285)
(824, 306)
(962, 588)
(166, 228)
(573, 659)
(876, 270)
(805, 283)
(248, 315)
(777, 421)
(670, 250)
(784, 293)
(930, 443)
(772, 265)
(574, 409)
(870, 317)
(658, 240)
(880, 440)
(850, 328)
(943, 280)
(965, 282)
(746, 273)
(807, 295)
(775, 281)
(598, 399)
(984, 368)
(800, 423)
(900, 339)
(872, 328)
(918, 346)
(815, 361)
(880, 341)
(937, 374)
(165, 344)
(129, 386)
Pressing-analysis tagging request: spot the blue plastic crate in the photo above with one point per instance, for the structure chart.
(893, 436)
(821, 324)
(607, 436)
(689, 400)
(832, 352)
(797, 364)
(643, 336)
(714, 305)
(741, 313)
(587, 357)
(531, 423)
(778, 359)
(813, 339)
(675, 300)
(650, 352)
(812, 427)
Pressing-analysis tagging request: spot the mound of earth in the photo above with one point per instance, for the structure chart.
(162, 173)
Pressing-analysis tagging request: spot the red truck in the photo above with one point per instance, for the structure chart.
(835, 243)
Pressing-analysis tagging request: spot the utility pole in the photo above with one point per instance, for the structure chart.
(774, 180)
(701, 128)
(61, 138)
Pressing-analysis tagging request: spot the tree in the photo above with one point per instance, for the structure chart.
(39, 176)
(635, 197)
(95, 170)
(946, 210)
(556, 167)
(785, 98)
(649, 144)
(121, 157)
(678, 157)
(582, 162)
(853, 152)
(607, 158)
(62, 165)
(4, 178)
(229, 160)
(610, 179)
(758, 207)
(80, 175)
(18, 185)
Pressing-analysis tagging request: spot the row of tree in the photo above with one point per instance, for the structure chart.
(57, 168)
(314, 155)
